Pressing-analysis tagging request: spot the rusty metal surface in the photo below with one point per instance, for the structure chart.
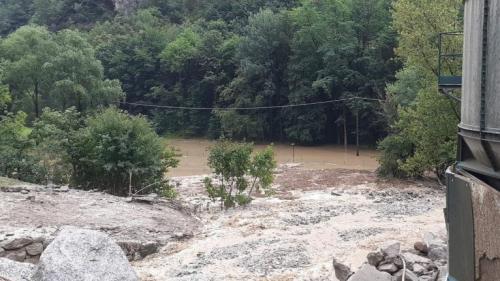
(486, 210)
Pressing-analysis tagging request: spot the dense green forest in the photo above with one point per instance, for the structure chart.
(78, 56)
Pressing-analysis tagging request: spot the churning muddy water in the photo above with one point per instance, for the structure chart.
(195, 152)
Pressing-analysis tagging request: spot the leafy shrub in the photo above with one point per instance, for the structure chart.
(395, 149)
(52, 134)
(237, 173)
(114, 145)
(17, 159)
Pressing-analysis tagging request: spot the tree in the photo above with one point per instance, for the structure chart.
(114, 148)
(59, 14)
(263, 56)
(14, 14)
(425, 123)
(55, 69)
(28, 53)
(237, 174)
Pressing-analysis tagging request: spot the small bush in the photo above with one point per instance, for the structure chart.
(114, 145)
(395, 150)
(237, 173)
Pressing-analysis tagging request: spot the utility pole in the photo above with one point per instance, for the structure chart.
(345, 132)
(357, 132)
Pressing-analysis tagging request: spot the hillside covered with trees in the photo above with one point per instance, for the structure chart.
(73, 57)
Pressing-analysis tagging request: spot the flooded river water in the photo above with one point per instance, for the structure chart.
(195, 152)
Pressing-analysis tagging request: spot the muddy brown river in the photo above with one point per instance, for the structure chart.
(195, 151)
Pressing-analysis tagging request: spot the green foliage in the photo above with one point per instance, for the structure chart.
(395, 148)
(431, 126)
(17, 159)
(52, 134)
(14, 14)
(113, 145)
(5, 98)
(237, 174)
(55, 69)
(183, 49)
(59, 14)
(424, 121)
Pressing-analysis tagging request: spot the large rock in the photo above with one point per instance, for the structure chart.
(370, 273)
(15, 271)
(342, 272)
(83, 255)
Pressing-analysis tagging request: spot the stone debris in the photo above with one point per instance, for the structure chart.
(22, 249)
(419, 266)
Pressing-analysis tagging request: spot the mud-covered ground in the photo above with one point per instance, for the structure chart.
(38, 211)
(314, 216)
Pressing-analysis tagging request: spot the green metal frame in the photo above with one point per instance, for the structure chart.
(448, 81)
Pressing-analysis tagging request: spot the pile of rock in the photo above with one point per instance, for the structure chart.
(426, 262)
(23, 249)
(75, 254)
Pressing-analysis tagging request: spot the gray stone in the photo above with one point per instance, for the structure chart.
(421, 247)
(370, 273)
(15, 271)
(34, 249)
(418, 269)
(342, 272)
(438, 253)
(375, 258)
(83, 255)
(17, 243)
(409, 276)
(392, 249)
(2, 252)
(16, 255)
(389, 268)
(412, 258)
